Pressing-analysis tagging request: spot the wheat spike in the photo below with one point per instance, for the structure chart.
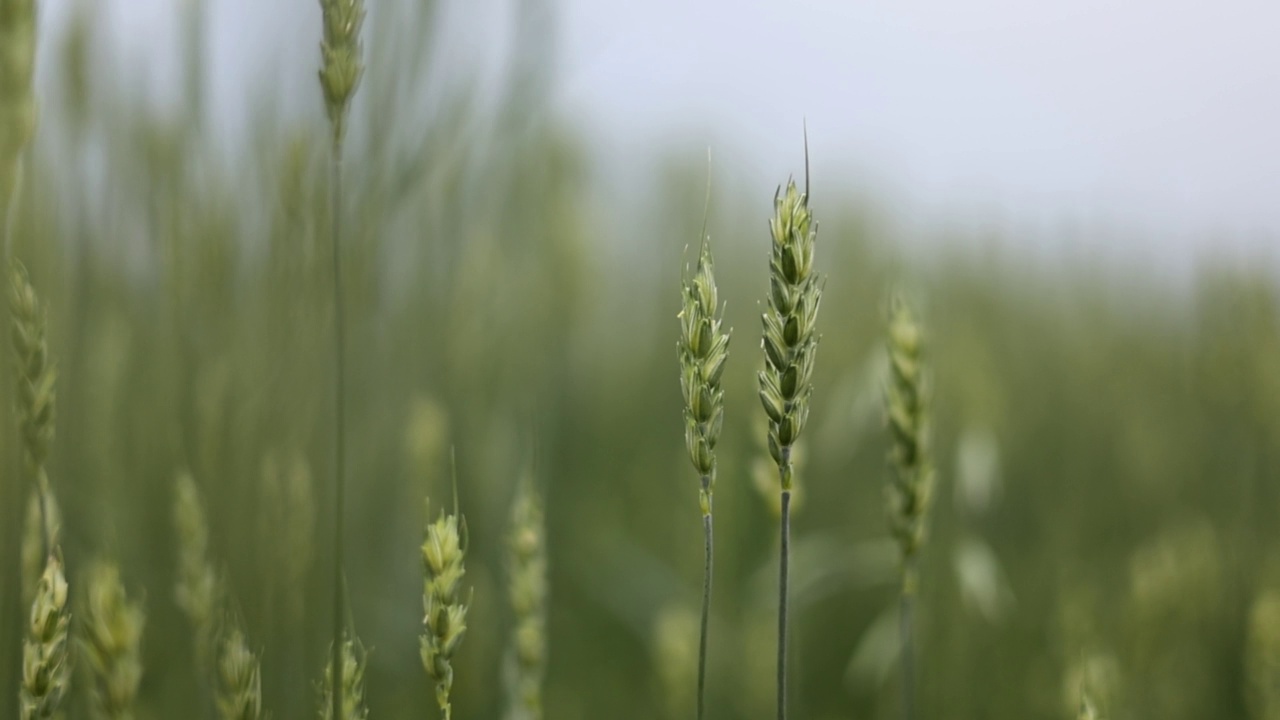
(112, 643)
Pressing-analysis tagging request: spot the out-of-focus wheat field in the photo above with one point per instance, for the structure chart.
(1107, 446)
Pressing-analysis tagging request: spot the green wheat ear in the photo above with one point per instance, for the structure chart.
(46, 666)
(911, 477)
(354, 658)
(112, 642)
(786, 383)
(910, 488)
(527, 557)
(703, 350)
(444, 614)
(239, 694)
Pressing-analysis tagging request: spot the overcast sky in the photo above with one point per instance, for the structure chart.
(1160, 116)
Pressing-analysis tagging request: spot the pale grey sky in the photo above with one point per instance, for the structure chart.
(1158, 117)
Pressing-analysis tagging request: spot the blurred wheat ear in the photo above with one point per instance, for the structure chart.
(198, 591)
(527, 559)
(910, 488)
(340, 70)
(790, 346)
(239, 679)
(352, 656)
(112, 643)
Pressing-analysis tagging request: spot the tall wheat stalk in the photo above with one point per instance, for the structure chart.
(703, 349)
(911, 477)
(340, 71)
(790, 346)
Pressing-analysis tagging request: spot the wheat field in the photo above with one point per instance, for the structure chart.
(1023, 489)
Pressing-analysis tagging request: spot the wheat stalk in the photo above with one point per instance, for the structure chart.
(911, 478)
(111, 642)
(703, 349)
(352, 656)
(239, 679)
(790, 346)
(341, 67)
(527, 659)
(17, 98)
(46, 667)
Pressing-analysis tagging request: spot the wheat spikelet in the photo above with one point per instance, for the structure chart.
(910, 487)
(352, 693)
(444, 614)
(239, 694)
(527, 659)
(111, 642)
(46, 668)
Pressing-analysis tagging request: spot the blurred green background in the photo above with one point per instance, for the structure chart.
(1107, 446)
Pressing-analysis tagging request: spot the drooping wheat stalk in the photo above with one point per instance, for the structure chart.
(703, 349)
(112, 643)
(527, 656)
(239, 679)
(46, 667)
(911, 477)
(790, 346)
(352, 656)
(340, 69)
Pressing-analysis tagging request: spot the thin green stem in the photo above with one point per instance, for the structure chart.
(339, 425)
(706, 609)
(783, 572)
(905, 627)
